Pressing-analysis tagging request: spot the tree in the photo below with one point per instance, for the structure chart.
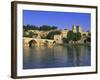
(47, 27)
(54, 27)
(30, 27)
(77, 36)
(51, 34)
(71, 36)
(34, 27)
(65, 40)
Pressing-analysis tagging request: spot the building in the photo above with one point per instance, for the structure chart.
(84, 34)
(74, 29)
(64, 33)
(58, 37)
(79, 29)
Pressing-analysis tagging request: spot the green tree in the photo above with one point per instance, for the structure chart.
(51, 34)
(54, 27)
(30, 27)
(34, 27)
(77, 36)
(65, 40)
(71, 36)
(47, 27)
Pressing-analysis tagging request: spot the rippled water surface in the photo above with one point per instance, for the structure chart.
(57, 56)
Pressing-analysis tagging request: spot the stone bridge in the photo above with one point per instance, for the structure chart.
(38, 42)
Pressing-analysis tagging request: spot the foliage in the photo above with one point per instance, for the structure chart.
(43, 27)
(51, 34)
(65, 40)
(70, 35)
(30, 27)
(77, 36)
(73, 36)
(47, 27)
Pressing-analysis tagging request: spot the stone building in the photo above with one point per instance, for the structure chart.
(84, 34)
(79, 29)
(58, 39)
(64, 33)
(74, 29)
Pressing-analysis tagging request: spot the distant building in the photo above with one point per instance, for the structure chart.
(58, 39)
(74, 29)
(64, 33)
(79, 29)
(84, 35)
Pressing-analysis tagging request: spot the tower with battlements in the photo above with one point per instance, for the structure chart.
(74, 29)
(79, 29)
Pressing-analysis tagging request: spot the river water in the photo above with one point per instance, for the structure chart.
(56, 56)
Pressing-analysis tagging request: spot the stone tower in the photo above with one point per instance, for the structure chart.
(79, 29)
(74, 28)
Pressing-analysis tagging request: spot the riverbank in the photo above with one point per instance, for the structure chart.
(76, 44)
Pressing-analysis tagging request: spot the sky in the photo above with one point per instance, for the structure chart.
(63, 20)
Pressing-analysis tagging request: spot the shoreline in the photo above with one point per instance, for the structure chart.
(76, 44)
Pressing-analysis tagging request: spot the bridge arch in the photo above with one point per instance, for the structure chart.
(32, 43)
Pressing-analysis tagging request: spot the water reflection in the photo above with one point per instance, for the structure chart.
(57, 56)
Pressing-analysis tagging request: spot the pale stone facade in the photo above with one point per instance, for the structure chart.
(38, 42)
(64, 33)
(74, 28)
(58, 38)
(79, 29)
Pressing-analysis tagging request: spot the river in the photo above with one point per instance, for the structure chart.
(56, 56)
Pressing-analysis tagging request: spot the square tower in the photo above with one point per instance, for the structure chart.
(79, 29)
(74, 29)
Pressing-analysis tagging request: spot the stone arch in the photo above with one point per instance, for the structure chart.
(85, 40)
(46, 42)
(32, 43)
(84, 35)
(54, 42)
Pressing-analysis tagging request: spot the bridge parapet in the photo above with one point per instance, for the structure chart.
(26, 41)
